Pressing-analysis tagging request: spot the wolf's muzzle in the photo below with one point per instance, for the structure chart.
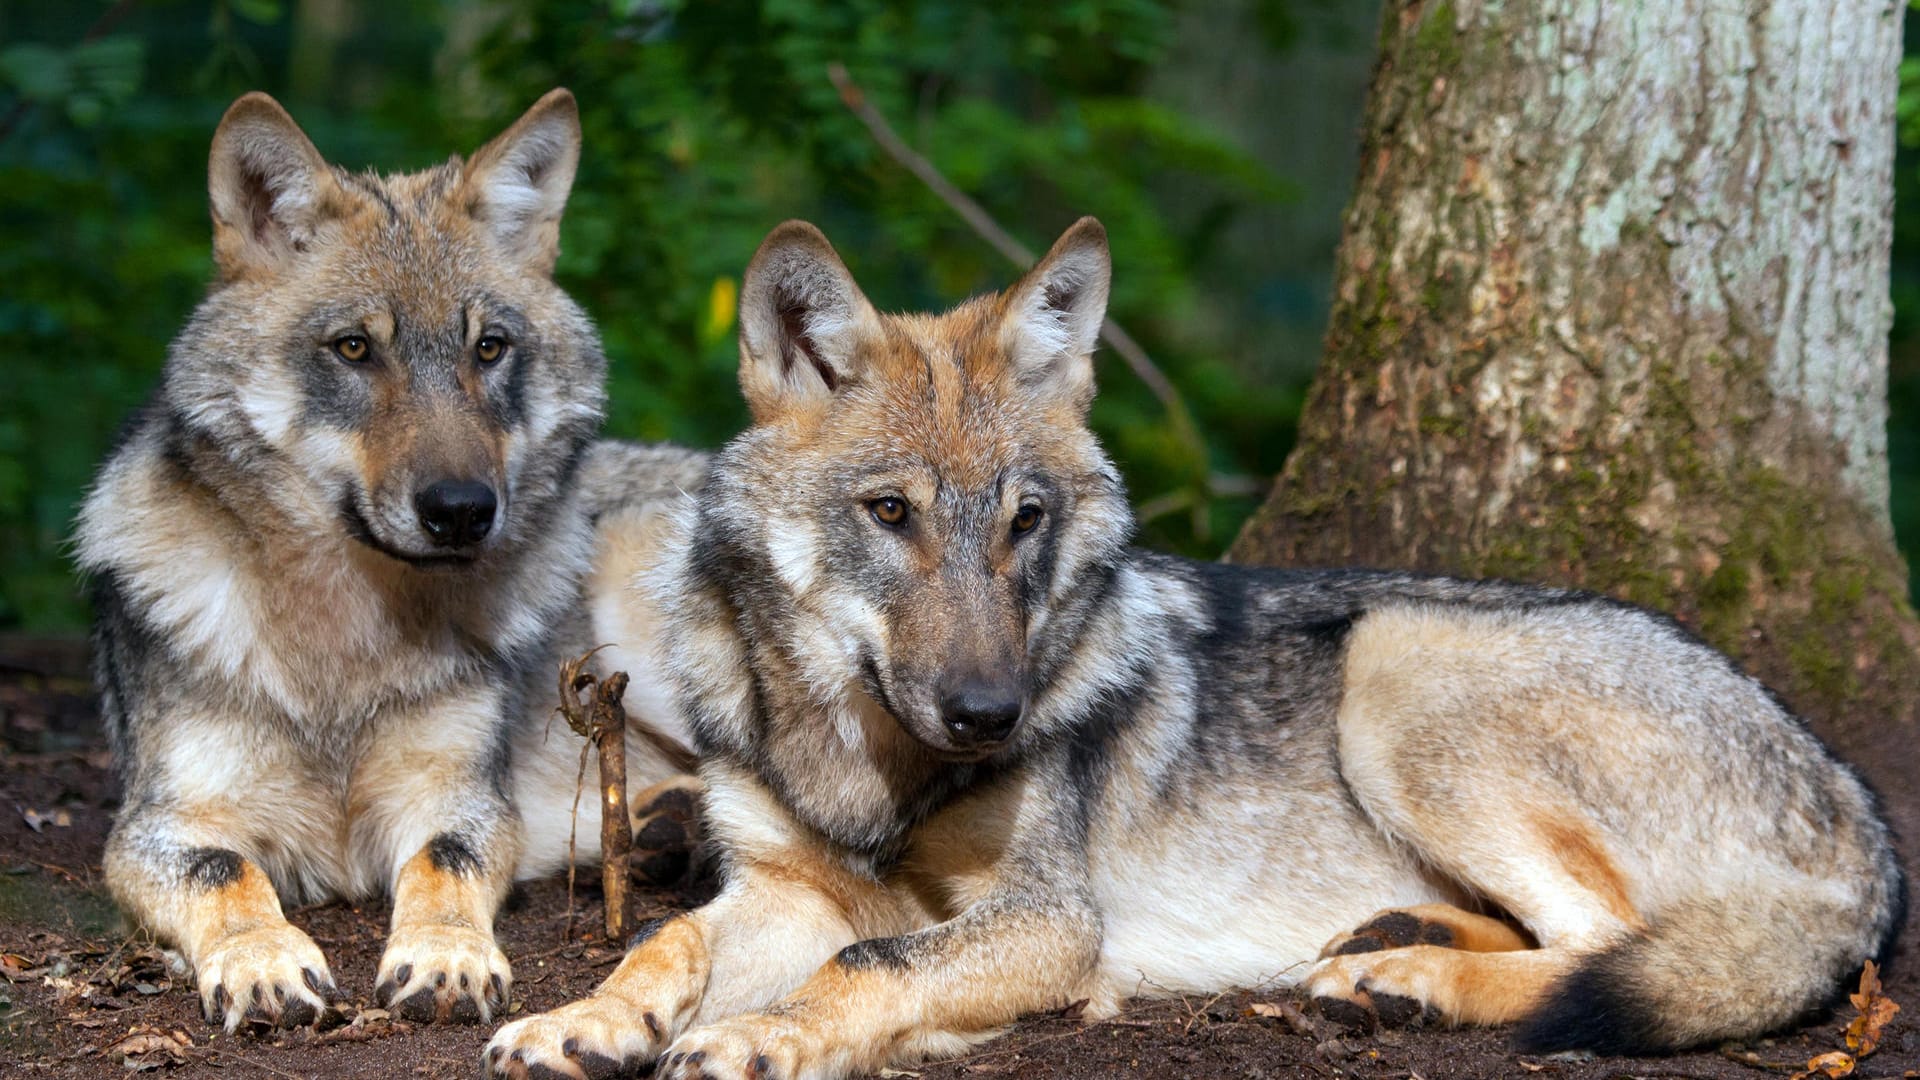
(456, 513)
(980, 714)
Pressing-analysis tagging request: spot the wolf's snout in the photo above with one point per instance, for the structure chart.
(980, 713)
(456, 513)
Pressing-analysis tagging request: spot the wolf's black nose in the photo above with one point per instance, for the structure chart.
(456, 513)
(977, 714)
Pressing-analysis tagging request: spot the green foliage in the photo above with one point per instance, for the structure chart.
(706, 123)
(1903, 374)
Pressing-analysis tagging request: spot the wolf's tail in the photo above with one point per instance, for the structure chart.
(1709, 970)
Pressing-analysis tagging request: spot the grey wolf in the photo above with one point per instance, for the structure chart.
(969, 755)
(338, 556)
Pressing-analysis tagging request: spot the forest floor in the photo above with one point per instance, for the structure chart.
(81, 998)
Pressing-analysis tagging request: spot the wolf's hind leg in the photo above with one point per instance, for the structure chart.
(1440, 745)
(1392, 969)
(1432, 982)
(1428, 924)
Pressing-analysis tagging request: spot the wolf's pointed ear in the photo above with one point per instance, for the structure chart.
(517, 185)
(269, 188)
(802, 320)
(1054, 313)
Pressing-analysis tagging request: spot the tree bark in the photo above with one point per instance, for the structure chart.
(1611, 311)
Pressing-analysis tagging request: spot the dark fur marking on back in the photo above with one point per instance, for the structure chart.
(891, 953)
(213, 868)
(451, 855)
(1330, 631)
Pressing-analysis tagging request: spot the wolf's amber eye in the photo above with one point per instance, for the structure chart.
(1026, 519)
(889, 511)
(489, 349)
(352, 348)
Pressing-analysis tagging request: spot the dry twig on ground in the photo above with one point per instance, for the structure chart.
(592, 708)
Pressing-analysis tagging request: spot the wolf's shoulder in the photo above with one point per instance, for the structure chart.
(136, 480)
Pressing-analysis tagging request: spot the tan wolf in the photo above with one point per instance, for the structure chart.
(970, 756)
(338, 556)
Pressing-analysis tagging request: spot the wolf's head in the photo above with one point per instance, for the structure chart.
(388, 355)
(922, 492)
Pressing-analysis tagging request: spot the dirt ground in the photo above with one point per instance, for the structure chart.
(80, 998)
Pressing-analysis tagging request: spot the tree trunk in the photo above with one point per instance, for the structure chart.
(1611, 311)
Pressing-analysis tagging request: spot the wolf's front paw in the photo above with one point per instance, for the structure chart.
(592, 1038)
(273, 975)
(439, 973)
(758, 1047)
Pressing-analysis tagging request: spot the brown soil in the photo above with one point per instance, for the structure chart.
(78, 993)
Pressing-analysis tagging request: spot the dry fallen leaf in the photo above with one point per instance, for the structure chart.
(1827, 1067)
(1875, 1009)
(146, 1047)
(1285, 1013)
(17, 968)
(367, 1025)
(66, 991)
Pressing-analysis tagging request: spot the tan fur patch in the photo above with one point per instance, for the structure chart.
(424, 893)
(248, 903)
(1586, 862)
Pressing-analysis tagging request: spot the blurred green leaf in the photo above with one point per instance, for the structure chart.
(263, 12)
(36, 72)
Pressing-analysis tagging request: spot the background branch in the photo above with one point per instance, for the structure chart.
(1116, 336)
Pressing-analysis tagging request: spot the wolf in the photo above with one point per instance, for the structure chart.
(969, 755)
(338, 556)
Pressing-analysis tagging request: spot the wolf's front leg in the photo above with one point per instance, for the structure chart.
(788, 904)
(436, 806)
(170, 871)
(441, 962)
(926, 994)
